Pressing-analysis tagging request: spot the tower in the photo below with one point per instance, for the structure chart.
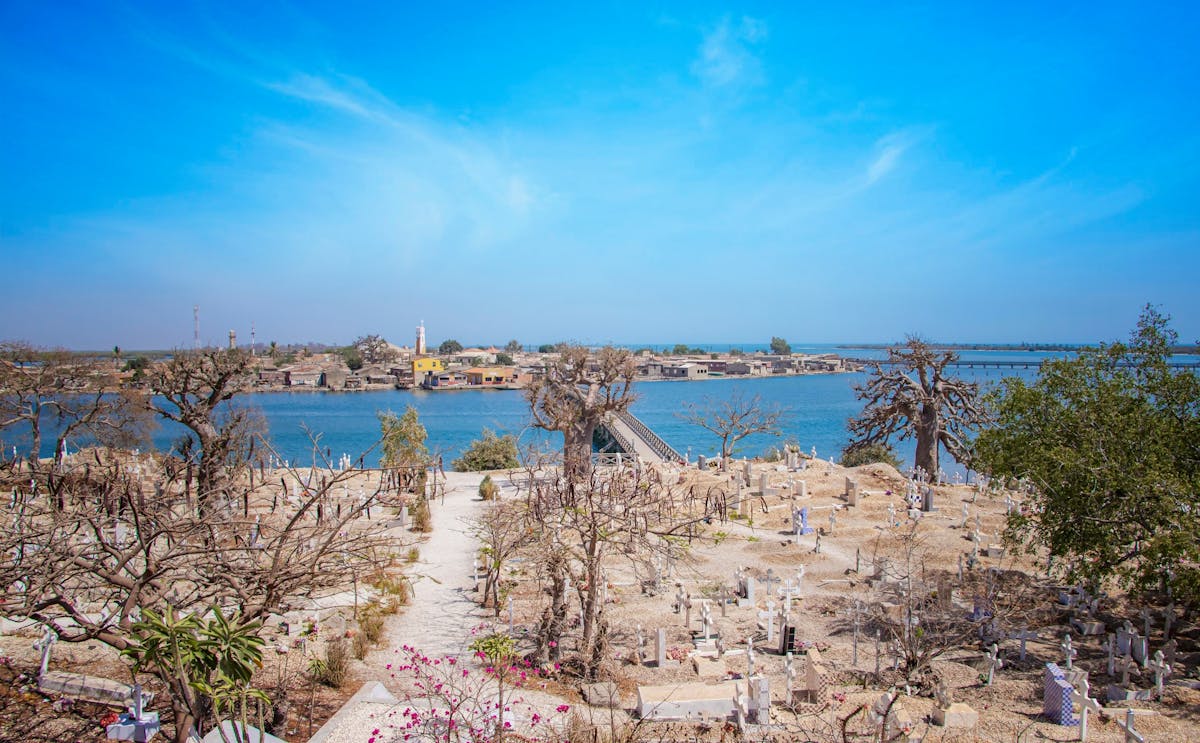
(420, 349)
(196, 326)
(252, 340)
(232, 340)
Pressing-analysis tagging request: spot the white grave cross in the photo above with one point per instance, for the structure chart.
(1086, 704)
(1069, 652)
(1161, 669)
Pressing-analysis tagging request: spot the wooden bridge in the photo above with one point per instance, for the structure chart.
(634, 438)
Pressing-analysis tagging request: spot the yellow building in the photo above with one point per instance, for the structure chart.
(423, 366)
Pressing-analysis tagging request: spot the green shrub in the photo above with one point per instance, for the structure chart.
(491, 452)
(488, 490)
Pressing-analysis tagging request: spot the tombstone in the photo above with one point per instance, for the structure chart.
(660, 648)
(749, 591)
(800, 489)
(800, 521)
(832, 520)
(1056, 698)
(927, 501)
(950, 714)
(747, 470)
(764, 484)
(640, 647)
(138, 725)
(965, 516)
(760, 700)
(851, 492)
(1126, 637)
(701, 462)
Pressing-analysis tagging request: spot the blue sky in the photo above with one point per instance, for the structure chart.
(629, 172)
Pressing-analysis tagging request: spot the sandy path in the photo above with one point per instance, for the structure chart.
(443, 609)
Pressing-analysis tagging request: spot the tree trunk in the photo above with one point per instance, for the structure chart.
(927, 440)
(577, 451)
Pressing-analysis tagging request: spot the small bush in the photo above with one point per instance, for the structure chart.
(361, 645)
(335, 668)
(491, 452)
(488, 490)
(370, 622)
(412, 555)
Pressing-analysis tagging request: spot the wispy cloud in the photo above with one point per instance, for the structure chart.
(725, 57)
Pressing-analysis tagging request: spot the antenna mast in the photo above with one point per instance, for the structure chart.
(196, 326)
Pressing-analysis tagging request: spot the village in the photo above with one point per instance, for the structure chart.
(419, 366)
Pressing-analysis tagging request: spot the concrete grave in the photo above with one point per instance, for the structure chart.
(686, 701)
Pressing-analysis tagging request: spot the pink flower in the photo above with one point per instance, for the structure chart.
(562, 708)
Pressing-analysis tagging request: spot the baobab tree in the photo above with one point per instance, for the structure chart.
(910, 395)
(576, 393)
(733, 420)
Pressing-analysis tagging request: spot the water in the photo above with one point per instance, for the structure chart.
(345, 423)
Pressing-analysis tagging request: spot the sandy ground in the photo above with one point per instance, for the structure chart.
(444, 612)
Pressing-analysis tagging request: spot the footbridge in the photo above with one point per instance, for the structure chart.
(633, 437)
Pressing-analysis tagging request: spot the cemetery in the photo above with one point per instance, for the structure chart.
(821, 597)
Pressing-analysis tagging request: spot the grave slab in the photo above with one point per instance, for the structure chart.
(957, 715)
(684, 701)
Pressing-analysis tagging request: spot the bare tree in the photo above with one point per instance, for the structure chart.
(575, 394)
(99, 540)
(733, 420)
(374, 349)
(621, 513)
(911, 395)
(119, 539)
(502, 530)
(194, 389)
(52, 393)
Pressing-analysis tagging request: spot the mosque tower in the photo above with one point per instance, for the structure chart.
(420, 349)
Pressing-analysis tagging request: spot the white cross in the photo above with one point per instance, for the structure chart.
(1161, 669)
(1068, 651)
(1086, 704)
(1023, 636)
(1131, 735)
(1145, 614)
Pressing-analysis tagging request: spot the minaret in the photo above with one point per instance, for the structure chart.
(252, 341)
(420, 350)
(232, 340)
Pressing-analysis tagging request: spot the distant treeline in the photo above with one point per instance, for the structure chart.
(1040, 347)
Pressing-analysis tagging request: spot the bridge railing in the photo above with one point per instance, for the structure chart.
(653, 440)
